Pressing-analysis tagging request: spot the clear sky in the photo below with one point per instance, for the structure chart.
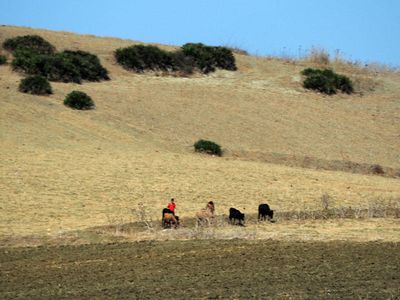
(363, 30)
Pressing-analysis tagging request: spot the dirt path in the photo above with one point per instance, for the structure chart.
(209, 269)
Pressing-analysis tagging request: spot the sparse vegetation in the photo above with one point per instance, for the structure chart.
(3, 59)
(143, 215)
(33, 43)
(326, 81)
(36, 85)
(326, 201)
(208, 147)
(377, 170)
(318, 56)
(375, 209)
(140, 58)
(79, 100)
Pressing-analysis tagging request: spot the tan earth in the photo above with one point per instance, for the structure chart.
(63, 170)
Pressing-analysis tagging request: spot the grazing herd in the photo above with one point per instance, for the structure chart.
(206, 216)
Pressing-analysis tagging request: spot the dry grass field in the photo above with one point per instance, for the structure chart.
(63, 170)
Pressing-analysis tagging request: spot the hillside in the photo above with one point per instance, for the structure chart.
(63, 169)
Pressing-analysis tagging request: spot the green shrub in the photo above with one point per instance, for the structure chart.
(344, 84)
(191, 56)
(207, 147)
(140, 58)
(67, 66)
(183, 63)
(25, 60)
(54, 67)
(320, 80)
(3, 59)
(326, 81)
(224, 58)
(36, 85)
(207, 58)
(33, 43)
(79, 100)
(88, 65)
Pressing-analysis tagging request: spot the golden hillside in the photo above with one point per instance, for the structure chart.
(63, 169)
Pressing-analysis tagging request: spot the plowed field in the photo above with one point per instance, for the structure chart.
(212, 269)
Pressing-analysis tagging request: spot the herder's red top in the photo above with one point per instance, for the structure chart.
(171, 206)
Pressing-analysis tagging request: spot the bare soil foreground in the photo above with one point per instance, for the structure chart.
(207, 269)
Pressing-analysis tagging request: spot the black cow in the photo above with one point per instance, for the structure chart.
(236, 215)
(265, 212)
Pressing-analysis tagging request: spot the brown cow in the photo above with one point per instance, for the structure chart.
(206, 215)
(169, 219)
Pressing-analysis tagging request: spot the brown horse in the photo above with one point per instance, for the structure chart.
(169, 219)
(206, 215)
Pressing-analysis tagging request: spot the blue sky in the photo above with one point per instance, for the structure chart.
(363, 30)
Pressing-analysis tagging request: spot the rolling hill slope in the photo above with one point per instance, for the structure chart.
(63, 169)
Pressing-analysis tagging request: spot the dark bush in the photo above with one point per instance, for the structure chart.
(33, 43)
(310, 71)
(79, 100)
(36, 85)
(140, 58)
(207, 147)
(344, 84)
(58, 67)
(201, 55)
(67, 66)
(54, 67)
(207, 58)
(3, 59)
(191, 56)
(326, 81)
(183, 63)
(224, 58)
(25, 61)
(88, 65)
(321, 81)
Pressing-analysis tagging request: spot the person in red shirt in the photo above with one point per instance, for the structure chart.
(171, 209)
(171, 206)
